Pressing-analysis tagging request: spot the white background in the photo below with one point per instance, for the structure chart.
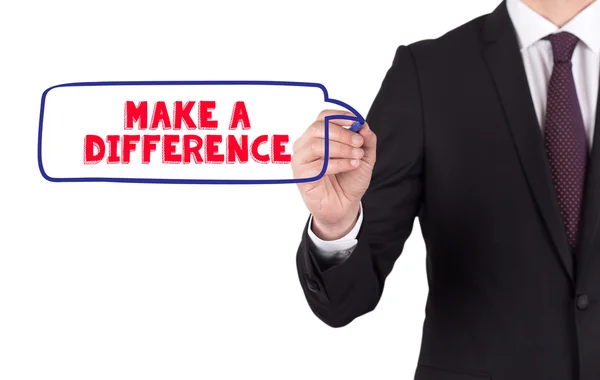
(123, 281)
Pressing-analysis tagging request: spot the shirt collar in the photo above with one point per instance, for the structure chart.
(531, 26)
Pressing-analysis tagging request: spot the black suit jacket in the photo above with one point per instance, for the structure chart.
(459, 146)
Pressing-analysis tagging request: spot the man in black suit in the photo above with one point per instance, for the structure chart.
(487, 135)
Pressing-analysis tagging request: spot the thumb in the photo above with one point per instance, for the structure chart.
(370, 143)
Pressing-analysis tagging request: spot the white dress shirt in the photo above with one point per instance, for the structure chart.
(530, 28)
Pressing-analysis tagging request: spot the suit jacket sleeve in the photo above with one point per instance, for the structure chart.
(337, 294)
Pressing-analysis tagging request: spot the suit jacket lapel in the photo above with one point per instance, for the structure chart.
(590, 217)
(501, 52)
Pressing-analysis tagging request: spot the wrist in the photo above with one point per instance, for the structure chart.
(333, 231)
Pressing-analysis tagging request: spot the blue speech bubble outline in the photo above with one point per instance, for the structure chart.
(327, 99)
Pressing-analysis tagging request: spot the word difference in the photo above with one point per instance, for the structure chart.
(173, 147)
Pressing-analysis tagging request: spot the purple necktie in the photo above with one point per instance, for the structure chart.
(564, 135)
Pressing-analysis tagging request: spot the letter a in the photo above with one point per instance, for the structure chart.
(239, 114)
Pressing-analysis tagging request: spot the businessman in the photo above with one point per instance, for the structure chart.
(485, 134)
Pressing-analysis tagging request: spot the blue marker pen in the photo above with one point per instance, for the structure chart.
(356, 126)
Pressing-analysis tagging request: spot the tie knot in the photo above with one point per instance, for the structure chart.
(563, 45)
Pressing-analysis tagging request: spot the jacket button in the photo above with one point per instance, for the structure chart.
(312, 285)
(583, 302)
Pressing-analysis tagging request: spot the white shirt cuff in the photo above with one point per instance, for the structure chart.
(329, 248)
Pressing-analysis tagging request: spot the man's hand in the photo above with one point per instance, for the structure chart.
(334, 200)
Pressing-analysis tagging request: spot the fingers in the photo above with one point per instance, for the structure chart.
(323, 114)
(364, 139)
(336, 133)
(334, 166)
(370, 139)
(316, 150)
(340, 165)
(347, 149)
